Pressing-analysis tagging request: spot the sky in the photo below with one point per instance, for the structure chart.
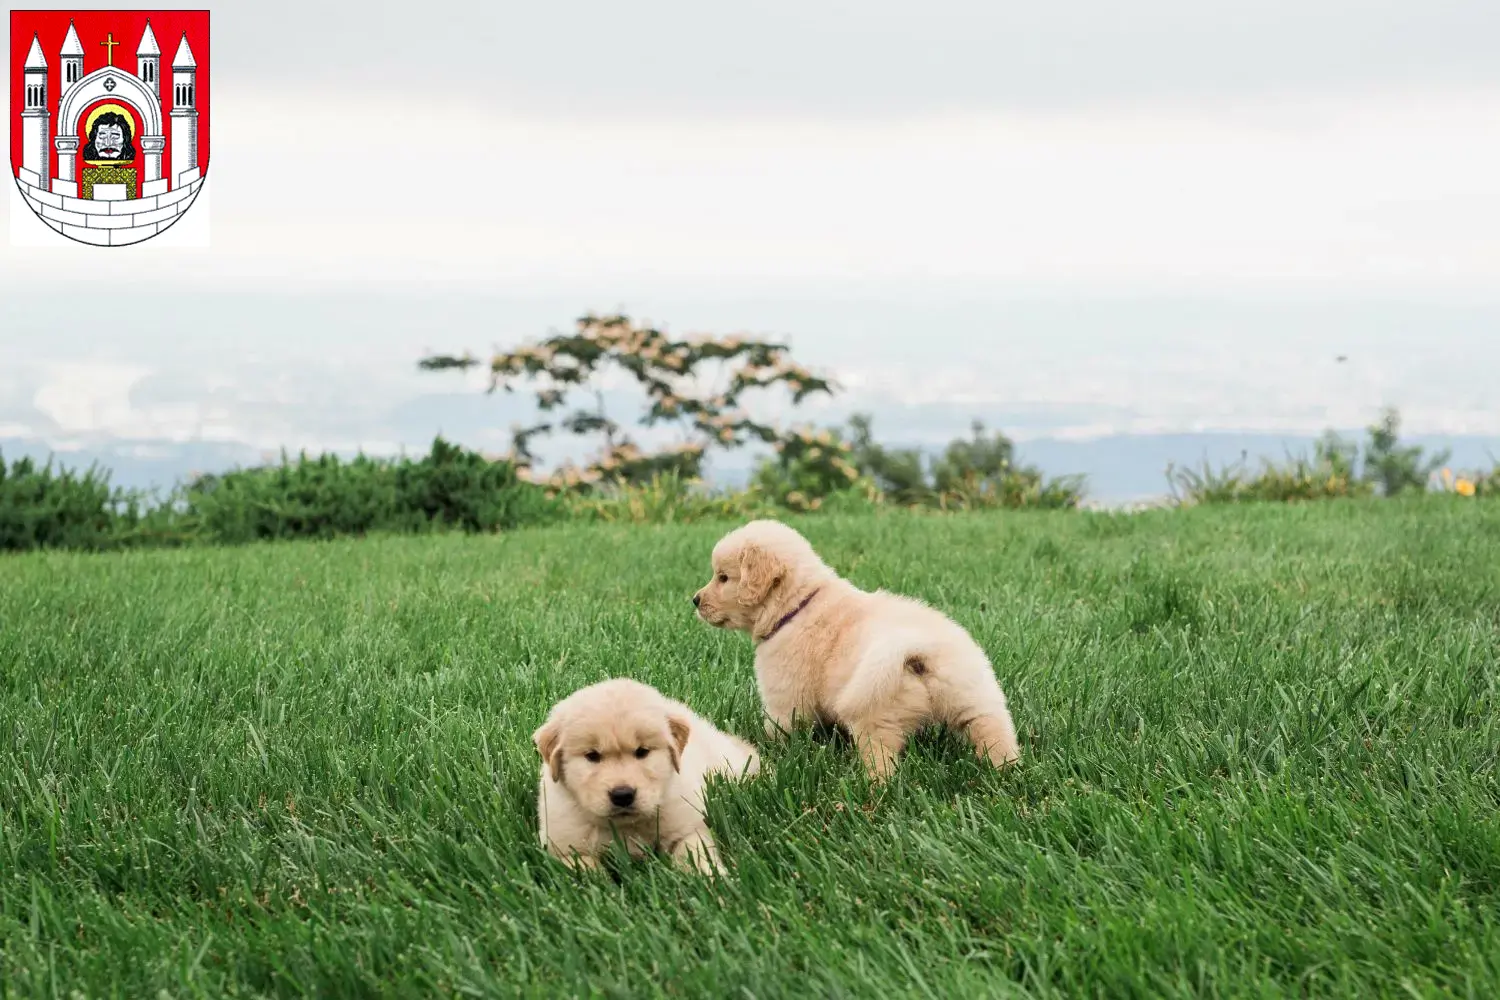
(1076, 220)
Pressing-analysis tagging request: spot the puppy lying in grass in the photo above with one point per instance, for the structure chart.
(621, 759)
(880, 665)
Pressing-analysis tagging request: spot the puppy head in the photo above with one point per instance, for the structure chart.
(751, 565)
(614, 747)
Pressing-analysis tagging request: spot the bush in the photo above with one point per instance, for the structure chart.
(1329, 474)
(1337, 469)
(325, 497)
(899, 474)
(667, 499)
(1392, 469)
(809, 467)
(976, 472)
(1472, 484)
(42, 507)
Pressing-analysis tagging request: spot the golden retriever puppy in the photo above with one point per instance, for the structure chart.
(619, 759)
(877, 664)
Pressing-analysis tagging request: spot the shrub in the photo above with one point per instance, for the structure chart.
(899, 474)
(812, 467)
(809, 467)
(1471, 484)
(1329, 474)
(979, 471)
(42, 507)
(666, 499)
(325, 497)
(1393, 469)
(1337, 469)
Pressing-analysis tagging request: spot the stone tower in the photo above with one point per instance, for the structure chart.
(184, 115)
(36, 119)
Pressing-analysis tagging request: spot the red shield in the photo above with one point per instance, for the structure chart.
(109, 115)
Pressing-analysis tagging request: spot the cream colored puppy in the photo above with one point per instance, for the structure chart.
(621, 759)
(879, 664)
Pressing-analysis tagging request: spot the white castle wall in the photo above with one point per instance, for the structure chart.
(108, 223)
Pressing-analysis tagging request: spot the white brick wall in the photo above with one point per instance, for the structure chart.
(131, 207)
(109, 223)
(65, 217)
(98, 237)
(160, 215)
(124, 237)
(173, 197)
(83, 206)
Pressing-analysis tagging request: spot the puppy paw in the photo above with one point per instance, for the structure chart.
(778, 729)
(698, 854)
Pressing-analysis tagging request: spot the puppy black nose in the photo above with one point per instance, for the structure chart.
(695, 600)
(622, 796)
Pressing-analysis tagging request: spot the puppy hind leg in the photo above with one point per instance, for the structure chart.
(995, 738)
(994, 735)
(966, 697)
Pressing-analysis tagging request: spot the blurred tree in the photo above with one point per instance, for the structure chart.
(1392, 468)
(672, 374)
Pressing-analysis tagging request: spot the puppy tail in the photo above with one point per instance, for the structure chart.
(891, 677)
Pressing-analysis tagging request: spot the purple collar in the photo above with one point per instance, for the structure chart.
(789, 616)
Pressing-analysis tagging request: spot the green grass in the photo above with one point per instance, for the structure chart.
(1260, 750)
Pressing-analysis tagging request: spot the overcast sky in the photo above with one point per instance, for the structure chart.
(729, 163)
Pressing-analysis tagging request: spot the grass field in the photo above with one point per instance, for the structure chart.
(1260, 749)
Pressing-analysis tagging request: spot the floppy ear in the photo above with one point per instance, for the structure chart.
(546, 739)
(760, 570)
(680, 730)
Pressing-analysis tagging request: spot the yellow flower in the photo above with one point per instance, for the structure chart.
(1448, 477)
(1464, 488)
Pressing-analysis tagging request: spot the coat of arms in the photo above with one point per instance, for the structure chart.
(109, 119)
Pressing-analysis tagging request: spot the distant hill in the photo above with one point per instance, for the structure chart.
(1119, 468)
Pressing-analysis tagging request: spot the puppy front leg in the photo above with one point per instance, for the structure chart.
(697, 852)
(781, 715)
(573, 857)
(779, 726)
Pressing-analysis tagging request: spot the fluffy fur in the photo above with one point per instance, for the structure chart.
(620, 740)
(877, 664)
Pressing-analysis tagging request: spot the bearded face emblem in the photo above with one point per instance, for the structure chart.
(110, 138)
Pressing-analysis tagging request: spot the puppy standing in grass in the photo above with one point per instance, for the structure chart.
(879, 664)
(620, 758)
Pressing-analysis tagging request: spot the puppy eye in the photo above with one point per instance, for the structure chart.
(592, 757)
(641, 752)
(723, 577)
